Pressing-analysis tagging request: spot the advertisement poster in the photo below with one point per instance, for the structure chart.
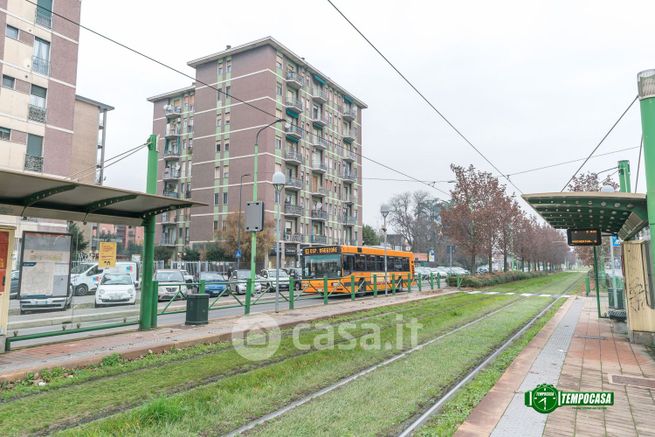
(45, 264)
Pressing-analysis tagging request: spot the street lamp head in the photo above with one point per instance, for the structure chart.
(385, 210)
(279, 180)
(646, 84)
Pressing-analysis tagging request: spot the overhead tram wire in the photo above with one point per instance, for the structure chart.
(600, 142)
(226, 94)
(425, 99)
(115, 160)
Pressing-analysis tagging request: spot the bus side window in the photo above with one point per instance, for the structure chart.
(360, 263)
(348, 264)
(405, 264)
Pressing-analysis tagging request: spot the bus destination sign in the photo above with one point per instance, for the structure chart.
(321, 250)
(583, 237)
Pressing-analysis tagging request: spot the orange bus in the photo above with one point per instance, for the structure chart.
(340, 263)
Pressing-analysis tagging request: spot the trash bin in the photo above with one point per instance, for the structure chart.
(197, 309)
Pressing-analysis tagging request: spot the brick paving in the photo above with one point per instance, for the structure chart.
(599, 348)
(83, 352)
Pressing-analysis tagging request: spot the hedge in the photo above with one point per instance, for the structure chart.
(487, 279)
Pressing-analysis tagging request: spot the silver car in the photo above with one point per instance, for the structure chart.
(171, 284)
(239, 282)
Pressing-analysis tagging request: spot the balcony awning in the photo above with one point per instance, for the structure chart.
(347, 99)
(318, 79)
(291, 113)
(622, 214)
(33, 195)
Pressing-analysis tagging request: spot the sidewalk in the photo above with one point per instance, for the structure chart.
(83, 352)
(575, 351)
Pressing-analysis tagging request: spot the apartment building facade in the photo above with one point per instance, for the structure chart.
(206, 139)
(45, 127)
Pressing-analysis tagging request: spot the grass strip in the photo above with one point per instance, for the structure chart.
(381, 402)
(455, 412)
(549, 284)
(231, 402)
(72, 404)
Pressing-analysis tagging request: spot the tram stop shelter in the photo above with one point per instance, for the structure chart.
(622, 214)
(33, 195)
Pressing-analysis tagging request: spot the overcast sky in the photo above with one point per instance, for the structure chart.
(530, 83)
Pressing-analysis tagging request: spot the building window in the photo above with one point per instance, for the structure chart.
(228, 89)
(218, 147)
(278, 142)
(278, 64)
(224, 198)
(8, 82)
(215, 199)
(279, 89)
(217, 172)
(227, 147)
(5, 134)
(220, 69)
(215, 225)
(11, 32)
(226, 171)
(228, 67)
(227, 119)
(38, 96)
(41, 56)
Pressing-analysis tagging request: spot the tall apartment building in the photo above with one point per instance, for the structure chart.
(207, 140)
(44, 126)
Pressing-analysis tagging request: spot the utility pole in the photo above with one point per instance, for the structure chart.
(148, 309)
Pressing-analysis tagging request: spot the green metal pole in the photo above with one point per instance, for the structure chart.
(246, 306)
(292, 289)
(432, 281)
(201, 287)
(438, 281)
(325, 291)
(646, 87)
(597, 281)
(375, 285)
(420, 280)
(393, 283)
(409, 282)
(148, 294)
(587, 285)
(352, 287)
(624, 176)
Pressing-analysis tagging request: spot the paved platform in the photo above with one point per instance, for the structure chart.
(575, 351)
(83, 352)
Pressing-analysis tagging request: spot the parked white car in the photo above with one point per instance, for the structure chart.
(171, 284)
(85, 277)
(239, 283)
(116, 289)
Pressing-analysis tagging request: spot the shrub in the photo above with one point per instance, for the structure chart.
(487, 279)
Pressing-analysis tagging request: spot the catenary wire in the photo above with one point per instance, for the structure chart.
(226, 94)
(600, 142)
(425, 99)
(107, 162)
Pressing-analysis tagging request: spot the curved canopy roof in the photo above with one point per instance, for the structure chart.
(617, 213)
(34, 195)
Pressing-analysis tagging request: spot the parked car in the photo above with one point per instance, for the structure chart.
(15, 281)
(483, 269)
(269, 278)
(294, 272)
(86, 276)
(188, 277)
(116, 289)
(171, 284)
(238, 282)
(441, 272)
(215, 283)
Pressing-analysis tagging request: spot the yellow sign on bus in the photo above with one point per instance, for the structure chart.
(107, 254)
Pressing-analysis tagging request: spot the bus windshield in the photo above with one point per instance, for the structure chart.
(320, 266)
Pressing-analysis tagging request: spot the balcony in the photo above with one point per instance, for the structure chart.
(171, 174)
(293, 210)
(169, 219)
(293, 184)
(319, 142)
(173, 132)
(294, 133)
(319, 214)
(347, 198)
(349, 113)
(294, 238)
(187, 194)
(169, 193)
(349, 176)
(294, 80)
(318, 239)
(319, 166)
(33, 163)
(172, 111)
(167, 240)
(40, 65)
(172, 153)
(319, 120)
(319, 95)
(319, 191)
(349, 156)
(293, 156)
(349, 220)
(36, 113)
(293, 104)
(43, 17)
(350, 136)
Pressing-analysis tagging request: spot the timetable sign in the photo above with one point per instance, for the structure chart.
(583, 237)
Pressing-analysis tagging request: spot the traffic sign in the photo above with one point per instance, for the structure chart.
(237, 253)
(107, 254)
(616, 241)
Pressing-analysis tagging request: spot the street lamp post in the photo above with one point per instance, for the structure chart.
(239, 223)
(279, 180)
(384, 210)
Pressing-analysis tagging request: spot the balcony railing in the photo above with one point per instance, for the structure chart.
(293, 209)
(167, 240)
(319, 191)
(293, 155)
(318, 239)
(294, 183)
(319, 142)
(40, 65)
(349, 114)
(350, 135)
(172, 111)
(319, 165)
(319, 95)
(37, 113)
(293, 104)
(170, 173)
(34, 163)
(173, 131)
(172, 152)
(294, 79)
(349, 175)
(319, 120)
(319, 214)
(43, 17)
(347, 198)
(187, 194)
(294, 132)
(296, 238)
(174, 194)
(349, 155)
(349, 220)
